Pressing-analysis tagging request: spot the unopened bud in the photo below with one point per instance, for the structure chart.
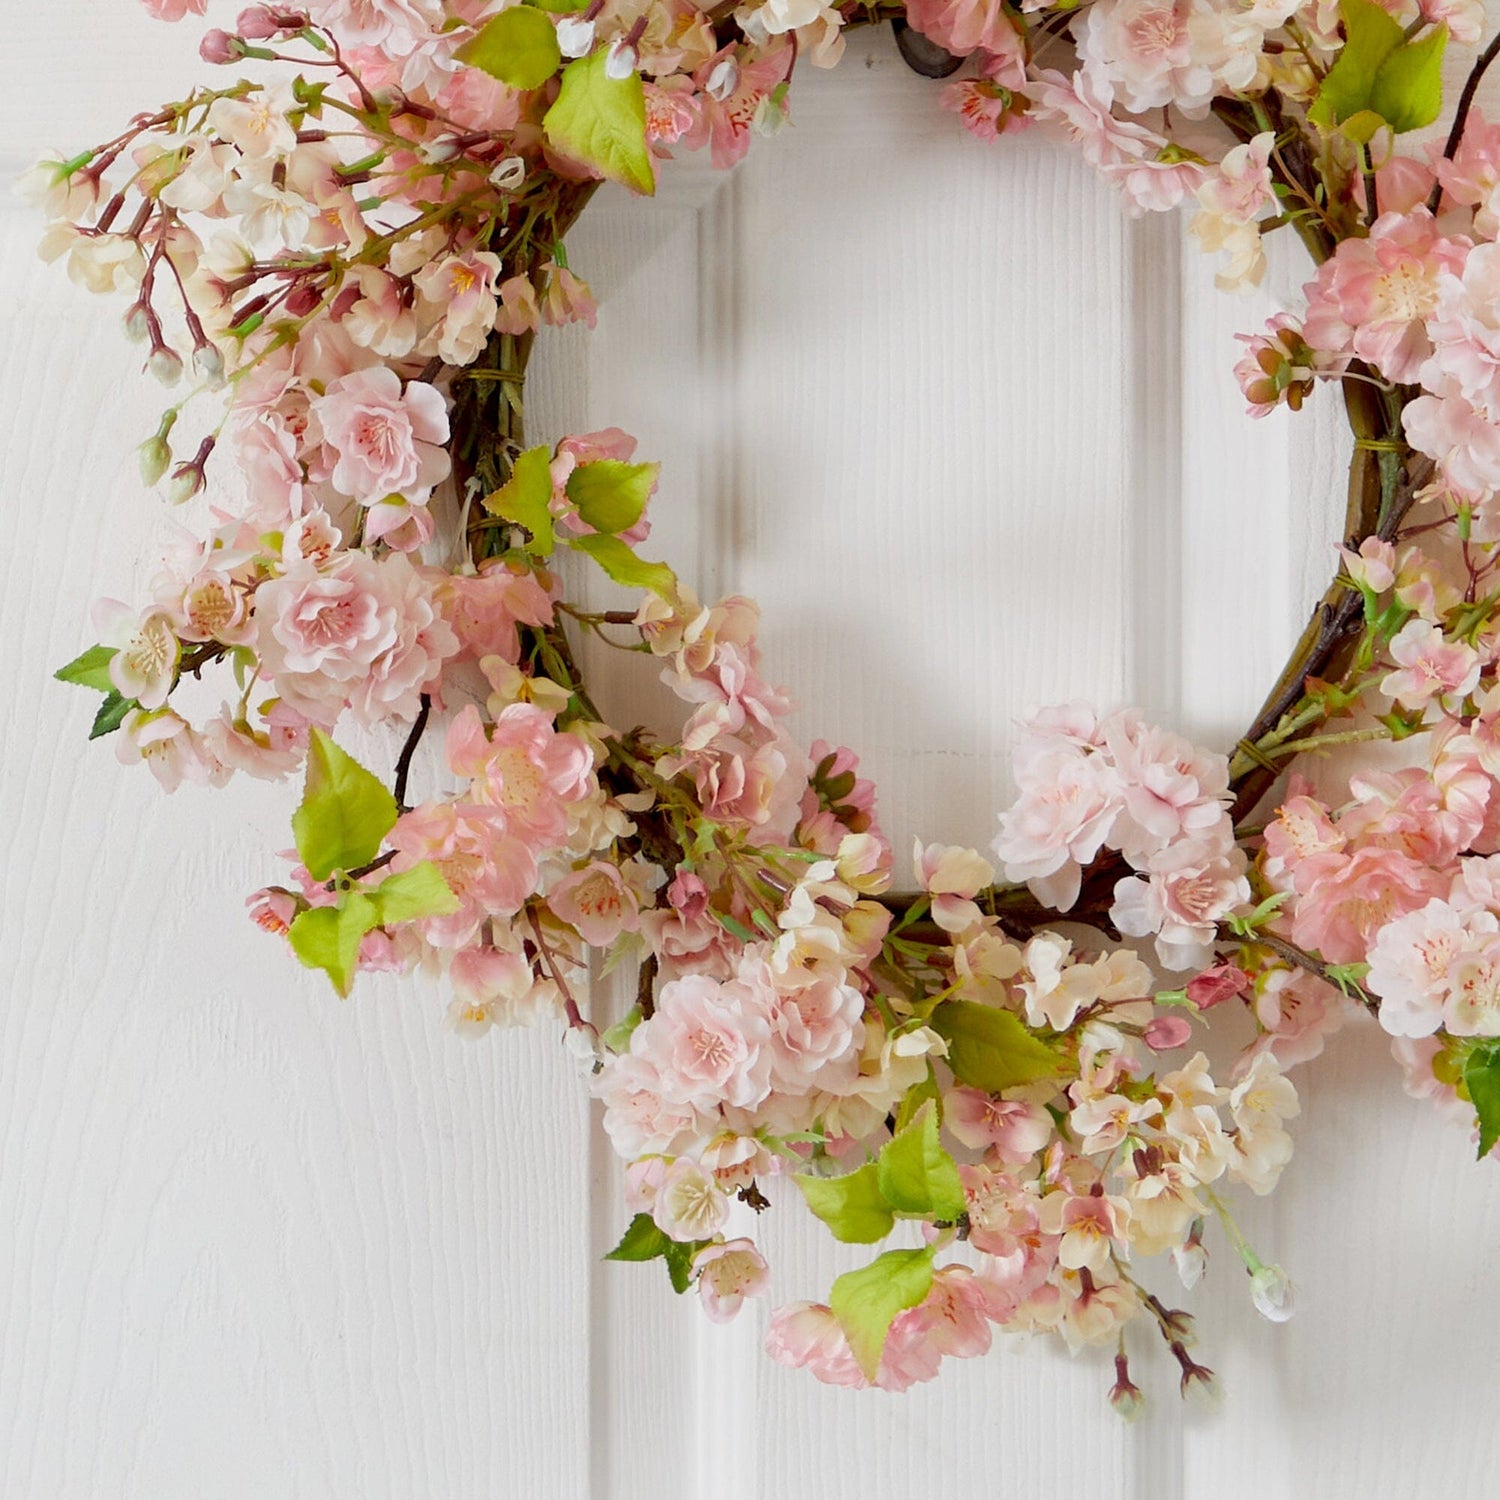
(575, 36)
(208, 364)
(186, 481)
(257, 24)
(302, 300)
(1271, 1291)
(137, 323)
(621, 62)
(165, 364)
(1124, 1395)
(724, 79)
(156, 458)
(219, 47)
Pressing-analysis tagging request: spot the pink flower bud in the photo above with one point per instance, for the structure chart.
(257, 24)
(218, 47)
(1167, 1032)
(1222, 982)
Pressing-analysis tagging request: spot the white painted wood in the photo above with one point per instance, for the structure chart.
(970, 436)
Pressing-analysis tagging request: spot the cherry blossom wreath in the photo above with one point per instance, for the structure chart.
(350, 258)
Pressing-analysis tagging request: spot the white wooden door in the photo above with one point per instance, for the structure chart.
(968, 433)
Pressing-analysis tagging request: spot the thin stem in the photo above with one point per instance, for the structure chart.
(403, 763)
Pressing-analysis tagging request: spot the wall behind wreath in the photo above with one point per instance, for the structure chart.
(969, 435)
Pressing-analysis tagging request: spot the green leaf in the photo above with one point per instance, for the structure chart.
(867, 1301)
(852, 1206)
(1371, 35)
(1482, 1079)
(91, 670)
(916, 1175)
(621, 563)
(345, 811)
(418, 892)
(111, 714)
(679, 1256)
(611, 496)
(328, 937)
(526, 497)
(617, 1038)
(1408, 90)
(916, 1096)
(519, 47)
(990, 1049)
(601, 122)
(641, 1241)
(559, 7)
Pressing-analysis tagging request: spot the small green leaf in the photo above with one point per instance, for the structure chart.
(679, 1257)
(601, 122)
(851, 1206)
(111, 714)
(641, 1241)
(617, 1038)
(519, 47)
(867, 1301)
(418, 892)
(1371, 35)
(1482, 1080)
(621, 563)
(345, 811)
(916, 1175)
(990, 1049)
(611, 496)
(559, 7)
(1408, 90)
(328, 938)
(916, 1096)
(91, 670)
(526, 497)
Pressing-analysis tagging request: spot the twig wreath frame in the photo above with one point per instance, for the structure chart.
(353, 251)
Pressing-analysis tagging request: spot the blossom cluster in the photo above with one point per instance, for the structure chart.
(347, 257)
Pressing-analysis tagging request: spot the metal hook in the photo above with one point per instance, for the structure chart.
(923, 56)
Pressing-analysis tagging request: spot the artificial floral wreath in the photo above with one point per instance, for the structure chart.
(352, 256)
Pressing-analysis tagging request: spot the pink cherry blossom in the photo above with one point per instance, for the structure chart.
(709, 1042)
(817, 1032)
(1345, 907)
(485, 608)
(174, 10)
(965, 26)
(524, 767)
(727, 1273)
(597, 902)
(1080, 108)
(1463, 438)
(495, 988)
(1298, 1012)
(1013, 1128)
(491, 871)
(636, 1116)
(689, 1204)
(807, 1336)
(1213, 986)
(144, 665)
(381, 439)
(1374, 296)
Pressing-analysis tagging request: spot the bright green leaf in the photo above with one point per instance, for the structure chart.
(526, 497)
(680, 1256)
(601, 122)
(559, 7)
(851, 1206)
(916, 1175)
(990, 1049)
(345, 811)
(867, 1301)
(519, 47)
(641, 1241)
(625, 567)
(1408, 90)
(611, 496)
(1482, 1079)
(111, 714)
(418, 892)
(916, 1096)
(617, 1038)
(328, 937)
(1371, 35)
(90, 670)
